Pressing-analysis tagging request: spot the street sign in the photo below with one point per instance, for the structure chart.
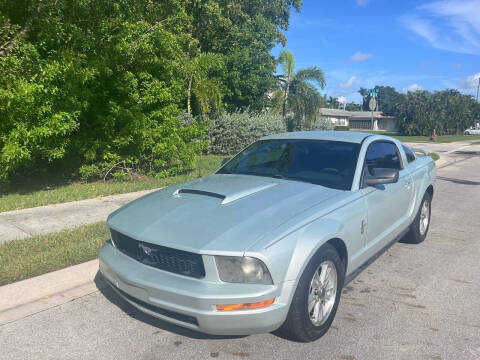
(372, 104)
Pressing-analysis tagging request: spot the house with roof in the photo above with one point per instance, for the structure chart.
(361, 120)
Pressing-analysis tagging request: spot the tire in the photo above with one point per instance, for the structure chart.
(466, 133)
(298, 325)
(418, 231)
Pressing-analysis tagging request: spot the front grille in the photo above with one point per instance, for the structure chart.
(160, 257)
(171, 314)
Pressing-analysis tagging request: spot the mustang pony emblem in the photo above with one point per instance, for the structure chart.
(146, 250)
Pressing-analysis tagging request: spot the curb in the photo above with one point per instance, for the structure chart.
(31, 296)
(447, 160)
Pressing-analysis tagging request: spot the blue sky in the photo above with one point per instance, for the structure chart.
(405, 44)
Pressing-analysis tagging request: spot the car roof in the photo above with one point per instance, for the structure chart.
(328, 135)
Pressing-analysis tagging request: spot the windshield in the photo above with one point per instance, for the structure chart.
(327, 163)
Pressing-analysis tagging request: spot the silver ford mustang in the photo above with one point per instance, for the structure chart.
(270, 239)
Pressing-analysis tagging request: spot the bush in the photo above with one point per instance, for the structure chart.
(342, 128)
(230, 133)
(93, 116)
(322, 123)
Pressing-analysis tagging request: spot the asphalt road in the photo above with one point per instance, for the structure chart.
(415, 302)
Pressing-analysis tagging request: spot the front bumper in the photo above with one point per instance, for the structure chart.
(191, 302)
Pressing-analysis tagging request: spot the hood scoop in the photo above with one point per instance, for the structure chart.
(229, 191)
(198, 192)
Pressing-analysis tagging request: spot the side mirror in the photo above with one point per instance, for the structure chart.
(225, 160)
(379, 176)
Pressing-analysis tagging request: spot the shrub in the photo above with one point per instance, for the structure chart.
(342, 128)
(94, 117)
(230, 133)
(322, 123)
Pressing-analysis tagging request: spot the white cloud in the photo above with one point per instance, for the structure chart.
(342, 99)
(359, 57)
(348, 83)
(469, 82)
(412, 88)
(450, 25)
(362, 2)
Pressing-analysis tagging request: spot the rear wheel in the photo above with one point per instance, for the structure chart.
(419, 228)
(316, 298)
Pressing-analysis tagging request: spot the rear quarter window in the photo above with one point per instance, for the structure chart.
(409, 153)
(382, 154)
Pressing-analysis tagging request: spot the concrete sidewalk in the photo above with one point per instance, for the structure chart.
(448, 152)
(20, 224)
(446, 148)
(39, 293)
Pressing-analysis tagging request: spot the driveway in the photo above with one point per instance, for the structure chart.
(415, 302)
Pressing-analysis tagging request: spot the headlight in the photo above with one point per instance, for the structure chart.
(242, 269)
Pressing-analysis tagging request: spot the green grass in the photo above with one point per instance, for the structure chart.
(440, 139)
(32, 193)
(22, 259)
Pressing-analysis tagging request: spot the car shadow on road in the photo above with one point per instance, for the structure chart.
(135, 313)
(458, 181)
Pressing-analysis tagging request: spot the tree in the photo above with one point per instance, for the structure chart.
(415, 115)
(333, 102)
(351, 106)
(86, 85)
(199, 74)
(245, 32)
(388, 100)
(287, 61)
(447, 111)
(300, 86)
(365, 98)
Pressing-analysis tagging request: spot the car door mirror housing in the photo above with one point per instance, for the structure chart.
(380, 176)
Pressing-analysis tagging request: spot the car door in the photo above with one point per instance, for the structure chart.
(387, 204)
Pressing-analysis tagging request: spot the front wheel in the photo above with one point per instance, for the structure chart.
(316, 298)
(419, 228)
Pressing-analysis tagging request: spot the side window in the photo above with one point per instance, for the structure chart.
(410, 155)
(382, 155)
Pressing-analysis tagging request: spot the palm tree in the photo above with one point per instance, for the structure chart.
(196, 71)
(300, 85)
(287, 60)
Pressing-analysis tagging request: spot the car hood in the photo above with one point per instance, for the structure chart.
(221, 213)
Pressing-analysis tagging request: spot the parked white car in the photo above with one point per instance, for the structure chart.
(473, 130)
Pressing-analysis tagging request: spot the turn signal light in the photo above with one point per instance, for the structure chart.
(247, 306)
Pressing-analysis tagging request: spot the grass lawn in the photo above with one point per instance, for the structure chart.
(440, 139)
(32, 194)
(22, 259)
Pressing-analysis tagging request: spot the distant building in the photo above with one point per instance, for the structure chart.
(360, 119)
